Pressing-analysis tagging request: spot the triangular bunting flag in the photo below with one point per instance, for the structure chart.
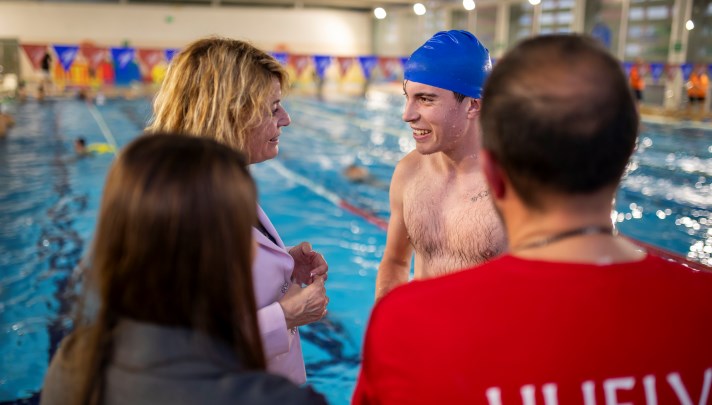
(686, 69)
(66, 55)
(122, 56)
(281, 57)
(150, 57)
(321, 62)
(656, 70)
(170, 52)
(94, 55)
(367, 64)
(627, 66)
(345, 63)
(299, 63)
(35, 53)
(388, 65)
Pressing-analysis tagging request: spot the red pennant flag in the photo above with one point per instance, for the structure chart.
(35, 52)
(93, 54)
(345, 63)
(671, 71)
(299, 63)
(387, 65)
(150, 57)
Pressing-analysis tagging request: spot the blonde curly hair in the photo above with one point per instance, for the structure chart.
(217, 87)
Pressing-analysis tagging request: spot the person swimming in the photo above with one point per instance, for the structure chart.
(82, 149)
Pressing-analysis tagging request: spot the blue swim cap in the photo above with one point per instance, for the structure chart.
(452, 60)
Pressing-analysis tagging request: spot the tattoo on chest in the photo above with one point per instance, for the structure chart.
(479, 196)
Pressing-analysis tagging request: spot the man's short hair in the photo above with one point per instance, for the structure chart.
(559, 117)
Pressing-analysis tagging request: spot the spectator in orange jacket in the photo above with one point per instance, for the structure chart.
(636, 79)
(697, 86)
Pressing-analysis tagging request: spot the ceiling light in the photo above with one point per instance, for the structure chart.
(534, 2)
(419, 8)
(689, 25)
(468, 4)
(379, 12)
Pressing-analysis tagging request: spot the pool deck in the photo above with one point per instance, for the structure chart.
(672, 116)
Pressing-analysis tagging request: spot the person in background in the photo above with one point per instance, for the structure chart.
(46, 66)
(574, 313)
(41, 93)
(360, 175)
(21, 92)
(237, 100)
(176, 321)
(80, 147)
(6, 122)
(440, 206)
(636, 79)
(697, 87)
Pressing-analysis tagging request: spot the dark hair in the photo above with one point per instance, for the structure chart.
(173, 247)
(81, 141)
(559, 117)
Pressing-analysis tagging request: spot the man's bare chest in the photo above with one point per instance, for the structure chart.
(445, 220)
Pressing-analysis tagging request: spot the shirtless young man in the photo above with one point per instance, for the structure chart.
(440, 206)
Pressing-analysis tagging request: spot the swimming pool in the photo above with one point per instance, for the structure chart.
(49, 200)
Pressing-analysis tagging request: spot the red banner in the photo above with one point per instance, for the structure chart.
(35, 53)
(345, 63)
(150, 57)
(299, 63)
(94, 55)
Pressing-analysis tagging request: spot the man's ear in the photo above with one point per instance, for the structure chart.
(474, 107)
(494, 174)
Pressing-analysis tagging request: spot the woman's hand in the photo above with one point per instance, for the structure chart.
(307, 264)
(305, 305)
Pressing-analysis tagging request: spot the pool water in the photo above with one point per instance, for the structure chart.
(49, 201)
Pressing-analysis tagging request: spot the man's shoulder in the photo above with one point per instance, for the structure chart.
(410, 161)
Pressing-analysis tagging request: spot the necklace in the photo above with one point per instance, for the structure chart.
(585, 230)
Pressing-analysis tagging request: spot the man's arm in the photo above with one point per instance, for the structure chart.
(395, 264)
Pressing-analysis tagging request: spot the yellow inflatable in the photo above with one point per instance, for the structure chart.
(100, 148)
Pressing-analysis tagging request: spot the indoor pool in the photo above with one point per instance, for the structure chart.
(49, 200)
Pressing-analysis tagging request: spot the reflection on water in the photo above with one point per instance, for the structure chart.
(666, 196)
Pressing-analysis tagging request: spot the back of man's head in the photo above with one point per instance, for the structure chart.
(559, 117)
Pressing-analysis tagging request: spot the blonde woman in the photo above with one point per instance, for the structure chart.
(231, 91)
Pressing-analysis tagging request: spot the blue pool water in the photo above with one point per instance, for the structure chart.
(49, 200)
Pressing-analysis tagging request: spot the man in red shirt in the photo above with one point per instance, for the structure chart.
(573, 314)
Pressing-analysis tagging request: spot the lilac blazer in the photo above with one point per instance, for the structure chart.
(271, 274)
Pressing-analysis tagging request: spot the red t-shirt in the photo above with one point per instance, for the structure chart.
(528, 332)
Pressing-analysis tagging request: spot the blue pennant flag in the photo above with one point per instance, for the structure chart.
(656, 70)
(367, 64)
(403, 60)
(170, 52)
(66, 55)
(686, 69)
(602, 33)
(281, 57)
(321, 62)
(627, 66)
(122, 57)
